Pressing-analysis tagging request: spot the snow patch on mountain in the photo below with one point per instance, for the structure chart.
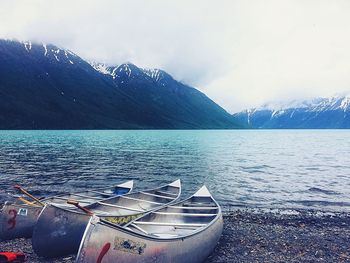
(66, 54)
(155, 74)
(27, 45)
(45, 48)
(125, 68)
(100, 67)
(345, 103)
(55, 53)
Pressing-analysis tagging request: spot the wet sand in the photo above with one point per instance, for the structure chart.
(252, 235)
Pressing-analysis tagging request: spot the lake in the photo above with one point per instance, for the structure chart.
(255, 168)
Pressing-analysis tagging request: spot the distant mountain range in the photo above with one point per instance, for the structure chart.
(318, 113)
(46, 87)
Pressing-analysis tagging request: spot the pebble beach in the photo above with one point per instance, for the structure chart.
(256, 235)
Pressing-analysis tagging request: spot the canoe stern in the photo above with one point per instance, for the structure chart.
(18, 220)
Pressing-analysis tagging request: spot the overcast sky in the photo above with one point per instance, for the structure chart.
(240, 53)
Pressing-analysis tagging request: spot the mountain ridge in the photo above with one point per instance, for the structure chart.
(43, 86)
(317, 113)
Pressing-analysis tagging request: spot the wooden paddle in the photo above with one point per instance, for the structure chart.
(26, 201)
(76, 204)
(28, 194)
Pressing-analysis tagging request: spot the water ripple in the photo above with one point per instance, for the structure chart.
(265, 168)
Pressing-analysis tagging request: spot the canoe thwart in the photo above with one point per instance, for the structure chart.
(166, 193)
(101, 193)
(184, 214)
(160, 196)
(121, 207)
(141, 200)
(76, 204)
(195, 207)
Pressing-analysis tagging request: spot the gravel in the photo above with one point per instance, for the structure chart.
(253, 235)
(284, 236)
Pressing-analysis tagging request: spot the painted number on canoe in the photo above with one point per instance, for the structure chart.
(12, 221)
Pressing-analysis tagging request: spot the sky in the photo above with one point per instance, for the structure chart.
(241, 53)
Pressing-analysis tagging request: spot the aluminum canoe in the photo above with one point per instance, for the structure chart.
(59, 230)
(17, 219)
(184, 232)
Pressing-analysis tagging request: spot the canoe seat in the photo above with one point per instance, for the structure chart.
(160, 196)
(101, 193)
(184, 214)
(164, 235)
(86, 196)
(166, 193)
(194, 207)
(101, 213)
(140, 200)
(168, 224)
(121, 207)
(209, 204)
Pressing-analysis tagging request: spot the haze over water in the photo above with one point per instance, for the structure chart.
(264, 168)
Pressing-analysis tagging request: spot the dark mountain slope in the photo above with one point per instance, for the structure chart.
(45, 87)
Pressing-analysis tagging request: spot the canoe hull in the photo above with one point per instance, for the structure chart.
(103, 243)
(18, 220)
(58, 231)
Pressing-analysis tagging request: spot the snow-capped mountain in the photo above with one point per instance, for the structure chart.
(332, 112)
(128, 70)
(43, 86)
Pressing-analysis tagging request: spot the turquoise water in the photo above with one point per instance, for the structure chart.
(259, 168)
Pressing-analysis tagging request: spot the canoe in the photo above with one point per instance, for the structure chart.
(187, 231)
(59, 230)
(17, 219)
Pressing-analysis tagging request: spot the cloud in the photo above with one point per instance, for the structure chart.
(240, 53)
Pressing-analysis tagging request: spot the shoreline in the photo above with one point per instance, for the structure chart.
(262, 235)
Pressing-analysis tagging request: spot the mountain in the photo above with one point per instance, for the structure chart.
(318, 113)
(46, 87)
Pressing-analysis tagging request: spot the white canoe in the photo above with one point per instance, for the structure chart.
(184, 232)
(17, 219)
(59, 230)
